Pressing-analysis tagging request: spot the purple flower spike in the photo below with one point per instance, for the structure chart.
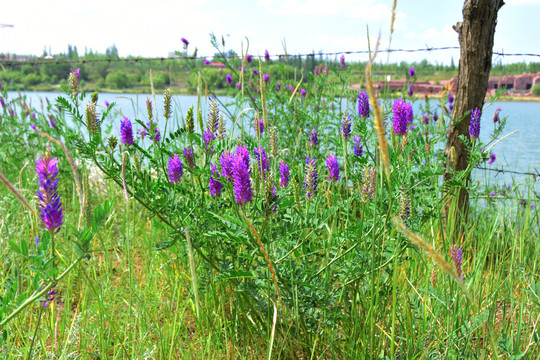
(49, 200)
(126, 132)
(474, 129)
(266, 55)
(411, 72)
(410, 90)
(303, 92)
(342, 61)
(363, 104)
(450, 98)
(241, 171)
(435, 117)
(214, 184)
(206, 62)
(52, 121)
(346, 127)
(358, 150)
(284, 173)
(255, 73)
(107, 104)
(208, 138)
(401, 115)
(290, 88)
(457, 258)
(249, 58)
(51, 294)
(492, 158)
(228, 77)
(278, 86)
(313, 138)
(184, 40)
(496, 115)
(175, 169)
(425, 119)
(226, 161)
(188, 156)
(266, 78)
(333, 168)
(262, 160)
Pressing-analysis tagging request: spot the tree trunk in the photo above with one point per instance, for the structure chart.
(476, 34)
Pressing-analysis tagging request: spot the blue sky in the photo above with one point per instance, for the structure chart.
(144, 28)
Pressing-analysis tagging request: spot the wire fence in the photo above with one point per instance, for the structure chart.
(41, 61)
(535, 175)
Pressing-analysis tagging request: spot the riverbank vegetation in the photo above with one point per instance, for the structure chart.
(298, 219)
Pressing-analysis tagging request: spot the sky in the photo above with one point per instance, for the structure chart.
(154, 29)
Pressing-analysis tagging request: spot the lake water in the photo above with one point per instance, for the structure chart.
(519, 152)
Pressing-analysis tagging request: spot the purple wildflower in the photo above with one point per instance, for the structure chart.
(411, 72)
(126, 132)
(303, 92)
(333, 168)
(51, 294)
(284, 172)
(262, 160)
(107, 104)
(326, 69)
(255, 73)
(313, 139)
(474, 129)
(363, 104)
(206, 62)
(259, 126)
(290, 88)
(184, 40)
(492, 158)
(425, 119)
(226, 162)
(410, 90)
(492, 194)
(400, 110)
(496, 115)
(266, 55)
(188, 156)
(214, 184)
(249, 58)
(457, 257)
(358, 150)
(310, 182)
(241, 172)
(175, 169)
(52, 122)
(342, 61)
(278, 86)
(237, 85)
(435, 117)
(266, 78)
(49, 200)
(208, 138)
(451, 107)
(450, 98)
(228, 77)
(346, 127)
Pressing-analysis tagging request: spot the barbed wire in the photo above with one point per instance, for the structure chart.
(39, 61)
(533, 174)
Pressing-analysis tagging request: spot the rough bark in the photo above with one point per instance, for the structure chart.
(476, 34)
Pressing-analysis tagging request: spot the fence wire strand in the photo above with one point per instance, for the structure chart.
(11, 62)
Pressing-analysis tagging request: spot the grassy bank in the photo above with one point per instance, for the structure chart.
(346, 254)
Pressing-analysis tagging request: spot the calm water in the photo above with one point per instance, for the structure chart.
(519, 152)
